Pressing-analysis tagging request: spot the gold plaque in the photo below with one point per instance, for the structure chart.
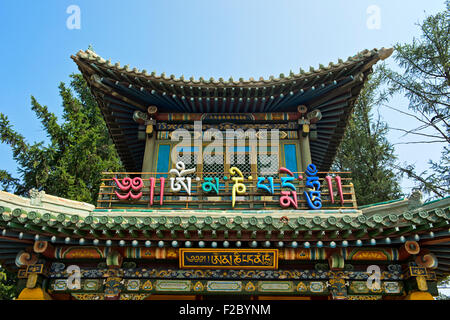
(229, 258)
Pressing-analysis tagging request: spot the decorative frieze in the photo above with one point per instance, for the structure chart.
(337, 286)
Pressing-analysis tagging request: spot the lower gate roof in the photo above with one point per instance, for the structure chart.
(68, 222)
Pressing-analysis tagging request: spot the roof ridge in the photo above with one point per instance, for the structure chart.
(376, 54)
(381, 203)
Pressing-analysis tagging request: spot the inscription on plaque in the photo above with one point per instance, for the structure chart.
(229, 258)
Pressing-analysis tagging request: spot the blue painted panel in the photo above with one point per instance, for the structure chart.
(290, 157)
(239, 149)
(162, 164)
(187, 149)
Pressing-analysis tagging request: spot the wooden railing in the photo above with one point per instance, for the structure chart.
(254, 198)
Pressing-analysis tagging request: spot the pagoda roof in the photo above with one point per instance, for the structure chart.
(120, 90)
(23, 222)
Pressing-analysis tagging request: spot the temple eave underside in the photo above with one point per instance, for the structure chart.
(120, 91)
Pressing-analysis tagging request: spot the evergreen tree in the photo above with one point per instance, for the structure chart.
(7, 284)
(79, 149)
(366, 152)
(425, 80)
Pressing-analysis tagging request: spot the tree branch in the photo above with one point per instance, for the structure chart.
(418, 142)
(412, 174)
(416, 133)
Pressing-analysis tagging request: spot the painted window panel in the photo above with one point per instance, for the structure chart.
(187, 149)
(290, 157)
(239, 149)
(163, 161)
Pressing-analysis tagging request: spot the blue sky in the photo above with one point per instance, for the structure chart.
(250, 38)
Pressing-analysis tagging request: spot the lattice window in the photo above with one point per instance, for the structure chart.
(264, 165)
(191, 164)
(211, 169)
(242, 162)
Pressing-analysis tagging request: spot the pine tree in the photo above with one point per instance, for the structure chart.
(366, 152)
(8, 281)
(425, 80)
(79, 148)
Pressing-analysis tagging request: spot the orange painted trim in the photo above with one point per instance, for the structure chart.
(17, 240)
(34, 294)
(419, 295)
(281, 298)
(447, 239)
(170, 297)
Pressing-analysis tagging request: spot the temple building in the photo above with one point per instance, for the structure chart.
(190, 221)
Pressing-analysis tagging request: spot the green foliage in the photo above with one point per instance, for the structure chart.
(78, 151)
(7, 285)
(425, 81)
(442, 296)
(366, 152)
(7, 181)
(445, 283)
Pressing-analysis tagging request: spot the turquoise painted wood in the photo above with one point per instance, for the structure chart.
(162, 164)
(290, 157)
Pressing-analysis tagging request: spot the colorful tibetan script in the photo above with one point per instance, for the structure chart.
(180, 181)
(313, 196)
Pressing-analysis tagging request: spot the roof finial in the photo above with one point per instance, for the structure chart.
(415, 198)
(385, 53)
